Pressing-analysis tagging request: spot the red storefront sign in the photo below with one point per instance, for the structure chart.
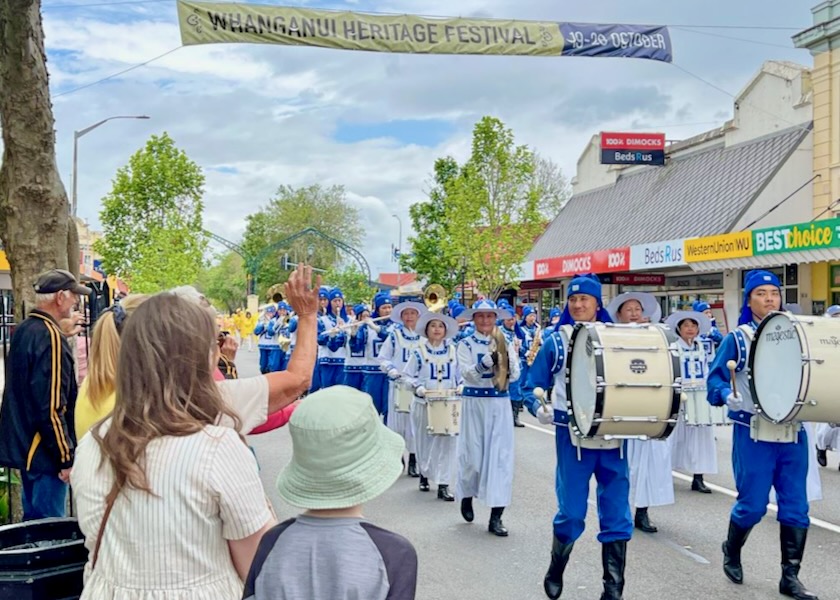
(638, 279)
(600, 261)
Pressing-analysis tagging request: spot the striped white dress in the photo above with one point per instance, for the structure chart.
(171, 546)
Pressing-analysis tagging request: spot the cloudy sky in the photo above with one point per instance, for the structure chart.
(255, 117)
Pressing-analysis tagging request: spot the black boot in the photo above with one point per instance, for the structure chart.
(412, 466)
(643, 522)
(732, 552)
(424, 484)
(443, 494)
(793, 547)
(698, 485)
(553, 582)
(495, 526)
(613, 557)
(467, 510)
(517, 406)
(822, 459)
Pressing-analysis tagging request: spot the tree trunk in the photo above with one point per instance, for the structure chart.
(34, 212)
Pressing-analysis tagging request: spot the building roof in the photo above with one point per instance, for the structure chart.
(696, 194)
(397, 279)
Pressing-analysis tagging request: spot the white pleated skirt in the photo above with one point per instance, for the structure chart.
(437, 455)
(693, 448)
(400, 422)
(651, 483)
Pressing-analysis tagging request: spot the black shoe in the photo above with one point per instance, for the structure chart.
(467, 510)
(698, 485)
(822, 459)
(643, 522)
(793, 547)
(613, 557)
(495, 526)
(553, 581)
(735, 540)
(443, 494)
(424, 484)
(516, 422)
(412, 466)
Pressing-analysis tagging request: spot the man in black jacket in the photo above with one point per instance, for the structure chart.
(36, 418)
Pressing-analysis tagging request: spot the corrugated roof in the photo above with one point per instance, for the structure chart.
(699, 194)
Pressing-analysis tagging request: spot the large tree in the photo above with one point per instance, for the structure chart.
(35, 224)
(224, 282)
(291, 211)
(353, 284)
(152, 219)
(552, 186)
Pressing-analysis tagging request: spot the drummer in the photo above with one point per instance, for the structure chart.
(573, 474)
(433, 366)
(393, 357)
(651, 483)
(693, 446)
(760, 465)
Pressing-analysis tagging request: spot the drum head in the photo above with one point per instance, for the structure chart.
(776, 367)
(582, 379)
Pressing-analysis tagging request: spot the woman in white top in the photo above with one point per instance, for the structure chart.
(171, 505)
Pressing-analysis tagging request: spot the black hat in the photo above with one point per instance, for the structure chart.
(57, 280)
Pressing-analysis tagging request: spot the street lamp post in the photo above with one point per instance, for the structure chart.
(399, 262)
(463, 280)
(76, 136)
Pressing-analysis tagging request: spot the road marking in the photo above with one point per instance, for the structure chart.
(717, 488)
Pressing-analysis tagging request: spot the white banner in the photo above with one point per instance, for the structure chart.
(658, 255)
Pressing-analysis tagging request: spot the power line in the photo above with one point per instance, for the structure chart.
(730, 37)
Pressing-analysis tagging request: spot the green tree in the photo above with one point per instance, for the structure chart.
(292, 210)
(224, 282)
(152, 219)
(353, 283)
(552, 186)
(493, 208)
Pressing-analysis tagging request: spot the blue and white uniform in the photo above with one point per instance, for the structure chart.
(371, 338)
(714, 337)
(266, 341)
(293, 324)
(331, 343)
(355, 357)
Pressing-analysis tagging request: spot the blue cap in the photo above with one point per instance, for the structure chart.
(284, 306)
(380, 300)
(554, 312)
(753, 280)
(700, 306)
(359, 309)
(323, 292)
(271, 308)
(333, 294)
(832, 310)
(457, 310)
(590, 285)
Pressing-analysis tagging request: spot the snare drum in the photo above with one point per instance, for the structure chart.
(698, 411)
(443, 411)
(793, 368)
(621, 381)
(403, 395)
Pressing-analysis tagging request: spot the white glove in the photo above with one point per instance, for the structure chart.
(487, 361)
(734, 402)
(459, 390)
(393, 374)
(420, 391)
(545, 414)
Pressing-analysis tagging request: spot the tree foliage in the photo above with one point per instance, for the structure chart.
(553, 187)
(224, 282)
(291, 211)
(353, 283)
(152, 219)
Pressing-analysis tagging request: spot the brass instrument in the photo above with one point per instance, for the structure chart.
(535, 347)
(434, 297)
(275, 292)
(501, 368)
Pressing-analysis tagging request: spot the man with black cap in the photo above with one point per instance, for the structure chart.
(36, 418)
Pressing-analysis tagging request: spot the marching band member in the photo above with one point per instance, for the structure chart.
(485, 448)
(465, 327)
(573, 474)
(371, 336)
(292, 327)
(516, 336)
(267, 342)
(651, 483)
(355, 356)
(693, 447)
(760, 465)
(553, 322)
(332, 340)
(393, 357)
(323, 302)
(280, 329)
(714, 337)
(433, 366)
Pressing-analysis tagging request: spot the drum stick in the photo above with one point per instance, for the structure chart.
(539, 394)
(731, 364)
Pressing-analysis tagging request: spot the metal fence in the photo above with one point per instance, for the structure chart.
(7, 325)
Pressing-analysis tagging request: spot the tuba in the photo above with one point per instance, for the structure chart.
(434, 297)
(275, 292)
(501, 368)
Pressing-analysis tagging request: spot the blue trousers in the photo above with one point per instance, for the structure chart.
(353, 379)
(515, 392)
(376, 384)
(275, 359)
(43, 496)
(572, 487)
(265, 360)
(760, 465)
(331, 375)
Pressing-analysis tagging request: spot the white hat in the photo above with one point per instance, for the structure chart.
(396, 314)
(703, 322)
(650, 307)
(448, 322)
(485, 306)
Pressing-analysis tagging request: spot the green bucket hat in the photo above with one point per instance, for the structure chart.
(342, 454)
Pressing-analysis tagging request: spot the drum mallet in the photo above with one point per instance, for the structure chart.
(539, 394)
(731, 364)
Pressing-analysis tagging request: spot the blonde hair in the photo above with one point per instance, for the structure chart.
(165, 385)
(104, 350)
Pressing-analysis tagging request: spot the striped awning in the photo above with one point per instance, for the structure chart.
(768, 260)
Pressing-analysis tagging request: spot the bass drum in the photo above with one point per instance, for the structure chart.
(793, 368)
(621, 381)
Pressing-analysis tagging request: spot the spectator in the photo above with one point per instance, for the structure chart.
(36, 418)
(169, 502)
(343, 456)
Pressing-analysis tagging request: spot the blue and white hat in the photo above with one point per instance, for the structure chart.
(700, 306)
(380, 300)
(448, 322)
(333, 294)
(833, 311)
(650, 306)
(703, 322)
(590, 285)
(753, 280)
(324, 292)
(486, 306)
(399, 309)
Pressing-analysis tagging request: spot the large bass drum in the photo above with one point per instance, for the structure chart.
(793, 368)
(621, 381)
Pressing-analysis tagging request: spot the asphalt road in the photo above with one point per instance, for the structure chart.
(683, 561)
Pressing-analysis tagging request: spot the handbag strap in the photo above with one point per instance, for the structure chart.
(109, 504)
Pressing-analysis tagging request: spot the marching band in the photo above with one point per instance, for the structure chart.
(630, 399)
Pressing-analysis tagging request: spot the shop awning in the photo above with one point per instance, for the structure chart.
(768, 260)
